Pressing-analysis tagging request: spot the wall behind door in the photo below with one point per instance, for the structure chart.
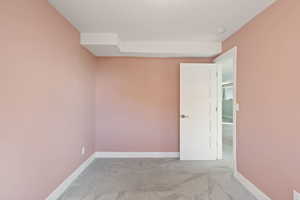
(137, 104)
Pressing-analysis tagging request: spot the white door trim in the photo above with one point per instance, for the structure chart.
(220, 116)
(232, 53)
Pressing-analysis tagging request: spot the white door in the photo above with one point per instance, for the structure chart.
(198, 111)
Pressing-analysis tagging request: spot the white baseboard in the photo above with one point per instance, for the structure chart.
(251, 187)
(68, 181)
(137, 154)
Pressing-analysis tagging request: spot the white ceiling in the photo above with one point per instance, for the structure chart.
(159, 22)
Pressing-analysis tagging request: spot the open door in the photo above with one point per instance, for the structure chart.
(198, 111)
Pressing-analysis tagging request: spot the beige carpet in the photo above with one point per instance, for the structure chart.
(156, 179)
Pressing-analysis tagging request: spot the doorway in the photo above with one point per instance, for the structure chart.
(228, 106)
(215, 126)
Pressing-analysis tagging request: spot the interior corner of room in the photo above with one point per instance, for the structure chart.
(149, 99)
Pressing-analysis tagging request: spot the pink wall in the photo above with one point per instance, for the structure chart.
(268, 93)
(47, 88)
(137, 104)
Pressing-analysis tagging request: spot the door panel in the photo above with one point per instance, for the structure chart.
(198, 116)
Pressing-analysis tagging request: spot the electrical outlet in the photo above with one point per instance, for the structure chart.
(82, 150)
(296, 195)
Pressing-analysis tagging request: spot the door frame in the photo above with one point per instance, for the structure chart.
(231, 53)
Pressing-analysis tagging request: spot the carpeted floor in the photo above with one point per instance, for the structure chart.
(156, 179)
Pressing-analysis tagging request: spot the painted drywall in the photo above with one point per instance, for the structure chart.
(137, 104)
(268, 137)
(47, 96)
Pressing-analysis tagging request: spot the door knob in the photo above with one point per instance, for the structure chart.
(184, 116)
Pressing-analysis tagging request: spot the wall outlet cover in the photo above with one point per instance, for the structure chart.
(296, 195)
(82, 150)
